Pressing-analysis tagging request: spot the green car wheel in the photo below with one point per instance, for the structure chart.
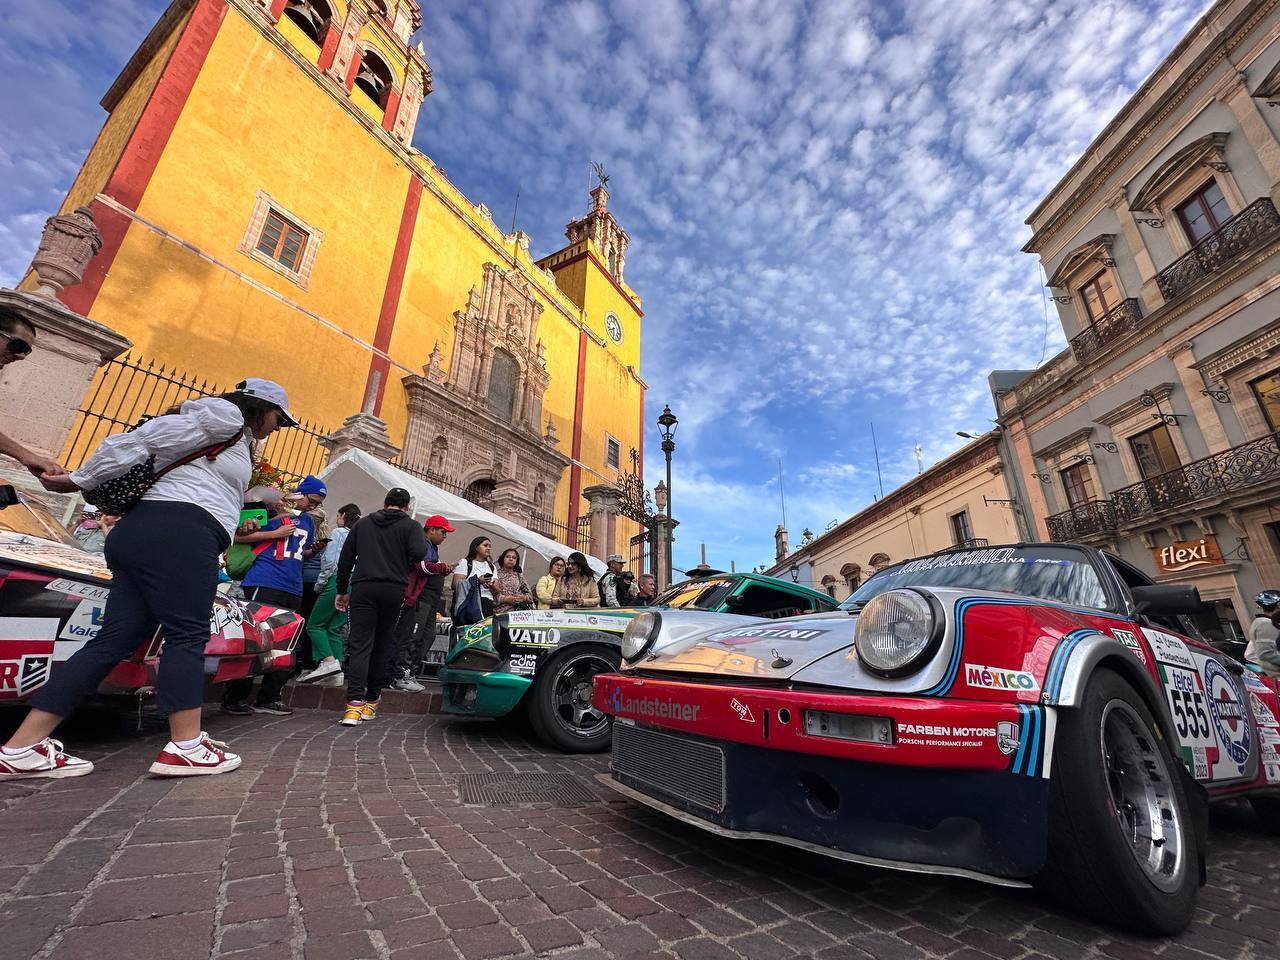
(559, 704)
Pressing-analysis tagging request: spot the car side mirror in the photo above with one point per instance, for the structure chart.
(734, 603)
(1166, 599)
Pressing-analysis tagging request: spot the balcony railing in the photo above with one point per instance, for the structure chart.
(1084, 520)
(1231, 471)
(973, 542)
(1115, 323)
(1246, 230)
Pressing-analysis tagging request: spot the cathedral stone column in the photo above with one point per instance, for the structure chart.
(605, 503)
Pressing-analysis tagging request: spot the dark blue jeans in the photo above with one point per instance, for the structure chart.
(164, 573)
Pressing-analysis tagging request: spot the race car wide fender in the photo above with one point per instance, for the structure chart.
(1086, 656)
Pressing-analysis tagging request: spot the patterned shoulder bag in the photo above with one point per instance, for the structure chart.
(121, 494)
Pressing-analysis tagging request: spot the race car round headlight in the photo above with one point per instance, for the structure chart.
(897, 632)
(640, 633)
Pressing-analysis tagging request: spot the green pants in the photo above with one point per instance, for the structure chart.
(325, 624)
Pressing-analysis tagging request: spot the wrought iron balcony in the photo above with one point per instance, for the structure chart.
(1247, 230)
(1085, 520)
(1222, 474)
(972, 542)
(1115, 323)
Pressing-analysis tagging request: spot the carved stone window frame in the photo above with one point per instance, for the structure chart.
(1132, 418)
(1063, 453)
(264, 205)
(1080, 266)
(1180, 177)
(608, 439)
(1237, 366)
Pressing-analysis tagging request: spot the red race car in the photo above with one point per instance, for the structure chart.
(1021, 714)
(52, 594)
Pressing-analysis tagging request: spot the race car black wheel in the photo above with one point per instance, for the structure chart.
(560, 707)
(1122, 846)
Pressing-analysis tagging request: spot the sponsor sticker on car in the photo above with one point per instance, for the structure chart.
(523, 664)
(750, 634)
(1189, 707)
(1268, 737)
(1169, 649)
(1229, 713)
(85, 621)
(535, 638)
(1130, 640)
(999, 678)
(72, 588)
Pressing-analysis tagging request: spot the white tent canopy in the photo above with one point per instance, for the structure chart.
(361, 478)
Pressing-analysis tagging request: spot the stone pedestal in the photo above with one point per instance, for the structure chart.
(39, 396)
(663, 528)
(605, 502)
(508, 501)
(361, 431)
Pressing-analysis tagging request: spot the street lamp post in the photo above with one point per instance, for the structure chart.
(668, 422)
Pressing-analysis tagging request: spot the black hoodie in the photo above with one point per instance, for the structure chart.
(385, 543)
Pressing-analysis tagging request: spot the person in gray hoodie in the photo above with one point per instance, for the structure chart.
(380, 549)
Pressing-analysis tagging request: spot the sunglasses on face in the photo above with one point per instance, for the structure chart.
(17, 346)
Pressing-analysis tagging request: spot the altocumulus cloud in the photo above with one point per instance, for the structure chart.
(825, 199)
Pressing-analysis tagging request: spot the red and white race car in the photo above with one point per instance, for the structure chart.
(1018, 714)
(52, 594)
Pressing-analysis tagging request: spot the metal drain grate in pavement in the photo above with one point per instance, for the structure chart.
(503, 789)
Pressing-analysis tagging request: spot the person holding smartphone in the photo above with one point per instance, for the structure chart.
(477, 564)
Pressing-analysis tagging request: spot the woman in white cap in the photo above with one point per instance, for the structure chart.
(163, 557)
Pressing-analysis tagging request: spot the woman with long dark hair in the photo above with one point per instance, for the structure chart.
(509, 587)
(477, 564)
(163, 557)
(577, 588)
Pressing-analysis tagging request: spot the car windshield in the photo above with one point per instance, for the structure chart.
(1060, 574)
(34, 518)
(696, 594)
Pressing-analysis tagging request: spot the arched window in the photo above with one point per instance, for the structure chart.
(503, 373)
(479, 491)
(439, 450)
(613, 260)
(313, 17)
(375, 78)
(878, 560)
(852, 575)
(829, 585)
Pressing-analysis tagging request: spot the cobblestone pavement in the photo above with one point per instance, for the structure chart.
(340, 844)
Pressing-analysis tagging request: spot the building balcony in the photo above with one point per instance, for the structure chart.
(1222, 474)
(1085, 520)
(1247, 230)
(972, 542)
(1111, 326)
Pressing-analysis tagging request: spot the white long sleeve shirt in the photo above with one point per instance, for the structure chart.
(217, 486)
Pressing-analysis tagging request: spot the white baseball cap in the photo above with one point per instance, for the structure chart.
(271, 392)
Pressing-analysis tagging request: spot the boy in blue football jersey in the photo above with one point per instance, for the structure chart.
(276, 579)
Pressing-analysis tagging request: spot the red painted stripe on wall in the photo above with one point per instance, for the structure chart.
(330, 48)
(277, 8)
(379, 366)
(142, 152)
(640, 468)
(357, 58)
(575, 471)
(389, 112)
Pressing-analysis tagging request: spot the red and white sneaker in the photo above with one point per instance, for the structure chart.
(44, 759)
(206, 757)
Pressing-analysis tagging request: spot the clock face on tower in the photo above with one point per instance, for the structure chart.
(614, 326)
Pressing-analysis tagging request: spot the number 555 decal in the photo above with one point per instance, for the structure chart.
(1189, 707)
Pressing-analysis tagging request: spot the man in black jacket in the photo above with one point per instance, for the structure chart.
(383, 545)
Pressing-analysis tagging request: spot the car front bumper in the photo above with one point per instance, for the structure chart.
(475, 694)
(941, 796)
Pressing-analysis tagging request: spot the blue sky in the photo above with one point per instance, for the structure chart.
(825, 198)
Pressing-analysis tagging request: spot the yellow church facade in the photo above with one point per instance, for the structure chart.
(263, 212)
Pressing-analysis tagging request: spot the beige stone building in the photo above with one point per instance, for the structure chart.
(961, 500)
(1154, 434)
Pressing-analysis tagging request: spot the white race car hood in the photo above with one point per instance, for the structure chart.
(746, 646)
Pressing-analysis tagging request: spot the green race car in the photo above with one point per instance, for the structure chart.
(544, 661)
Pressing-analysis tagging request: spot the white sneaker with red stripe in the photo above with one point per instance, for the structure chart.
(206, 757)
(44, 759)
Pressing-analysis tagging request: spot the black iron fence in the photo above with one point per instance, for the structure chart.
(1082, 521)
(127, 389)
(1231, 471)
(1115, 323)
(1222, 474)
(639, 554)
(1248, 229)
(584, 535)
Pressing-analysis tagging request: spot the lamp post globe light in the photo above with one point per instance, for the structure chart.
(667, 422)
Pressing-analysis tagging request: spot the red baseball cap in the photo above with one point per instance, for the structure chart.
(437, 521)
